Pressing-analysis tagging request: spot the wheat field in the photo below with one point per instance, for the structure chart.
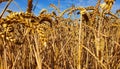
(51, 41)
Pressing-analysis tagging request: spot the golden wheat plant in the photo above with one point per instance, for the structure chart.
(51, 41)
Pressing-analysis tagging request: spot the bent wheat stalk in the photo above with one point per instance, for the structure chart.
(5, 8)
(54, 7)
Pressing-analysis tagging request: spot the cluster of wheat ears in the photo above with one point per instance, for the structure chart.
(51, 41)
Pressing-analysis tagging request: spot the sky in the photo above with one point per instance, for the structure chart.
(21, 5)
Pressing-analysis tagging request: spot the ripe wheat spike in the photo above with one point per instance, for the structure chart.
(43, 11)
(107, 5)
(81, 9)
(67, 10)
